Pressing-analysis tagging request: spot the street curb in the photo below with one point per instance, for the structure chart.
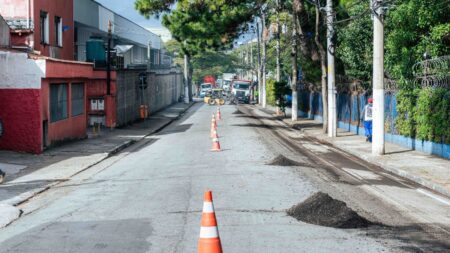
(16, 201)
(372, 159)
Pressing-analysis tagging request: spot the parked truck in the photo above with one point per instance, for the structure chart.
(227, 79)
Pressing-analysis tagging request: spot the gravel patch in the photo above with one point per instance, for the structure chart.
(321, 209)
(281, 160)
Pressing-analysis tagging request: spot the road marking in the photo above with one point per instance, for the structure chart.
(434, 196)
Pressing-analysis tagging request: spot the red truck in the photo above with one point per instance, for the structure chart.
(210, 79)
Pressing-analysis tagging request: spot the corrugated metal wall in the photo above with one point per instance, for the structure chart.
(164, 88)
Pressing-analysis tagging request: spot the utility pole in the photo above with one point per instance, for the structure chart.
(259, 63)
(108, 63)
(278, 77)
(263, 61)
(332, 117)
(378, 78)
(294, 54)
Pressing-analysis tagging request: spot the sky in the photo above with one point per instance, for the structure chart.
(126, 9)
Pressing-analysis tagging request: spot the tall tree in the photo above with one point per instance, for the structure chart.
(323, 67)
(201, 24)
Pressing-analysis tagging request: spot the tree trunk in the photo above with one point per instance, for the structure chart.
(294, 114)
(191, 71)
(323, 66)
(299, 11)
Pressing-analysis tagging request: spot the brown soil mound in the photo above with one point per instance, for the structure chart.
(321, 209)
(284, 161)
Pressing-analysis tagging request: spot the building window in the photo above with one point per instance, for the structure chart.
(44, 27)
(77, 99)
(58, 31)
(58, 102)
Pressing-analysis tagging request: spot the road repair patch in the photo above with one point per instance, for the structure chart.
(321, 209)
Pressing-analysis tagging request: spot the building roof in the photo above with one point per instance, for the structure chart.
(93, 14)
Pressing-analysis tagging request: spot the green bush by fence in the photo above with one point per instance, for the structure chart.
(270, 92)
(424, 113)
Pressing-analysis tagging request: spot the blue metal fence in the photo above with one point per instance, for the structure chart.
(349, 108)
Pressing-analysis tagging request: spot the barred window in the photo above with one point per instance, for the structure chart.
(58, 102)
(77, 99)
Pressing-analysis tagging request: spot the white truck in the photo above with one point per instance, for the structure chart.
(227, 78)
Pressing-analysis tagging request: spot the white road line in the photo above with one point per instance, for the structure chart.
(434, 196)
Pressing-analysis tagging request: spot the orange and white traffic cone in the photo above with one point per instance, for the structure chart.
(214, 134)
(213, 123)
(209, 241)
(215, 145)
(219, 116)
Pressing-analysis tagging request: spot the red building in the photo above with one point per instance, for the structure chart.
(43, 101)
(45, 96)
(41, 25)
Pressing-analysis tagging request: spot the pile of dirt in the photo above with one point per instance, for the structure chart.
(284, 161)
(321, 209)
(238, 112)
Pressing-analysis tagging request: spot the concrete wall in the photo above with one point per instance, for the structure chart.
(86, 12)
(164, 88)
(20, 100)
(5, 37)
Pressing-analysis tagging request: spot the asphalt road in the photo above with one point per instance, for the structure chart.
(148, 198)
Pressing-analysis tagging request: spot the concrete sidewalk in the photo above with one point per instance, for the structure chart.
(28, 175)
(427, 170)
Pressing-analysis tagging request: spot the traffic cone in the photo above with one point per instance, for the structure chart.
(213, 123)
(214, 134)
(209, 241)
(219, 116)
(215, 145)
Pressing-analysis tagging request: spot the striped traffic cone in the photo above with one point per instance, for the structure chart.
(213, 123)
(219, 116)
(215, 145)
(209, 241)
(214, 134)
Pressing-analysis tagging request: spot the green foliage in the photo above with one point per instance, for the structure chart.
(152, 7)
(432, 117)
(270, 92)
(276, 92)
(424, 114)
(413, 28)
(354, 47)
(406, 111)
(280, 92)
(212, 63)
(203, 24)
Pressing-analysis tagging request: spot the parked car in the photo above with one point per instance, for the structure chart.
(205, 88)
